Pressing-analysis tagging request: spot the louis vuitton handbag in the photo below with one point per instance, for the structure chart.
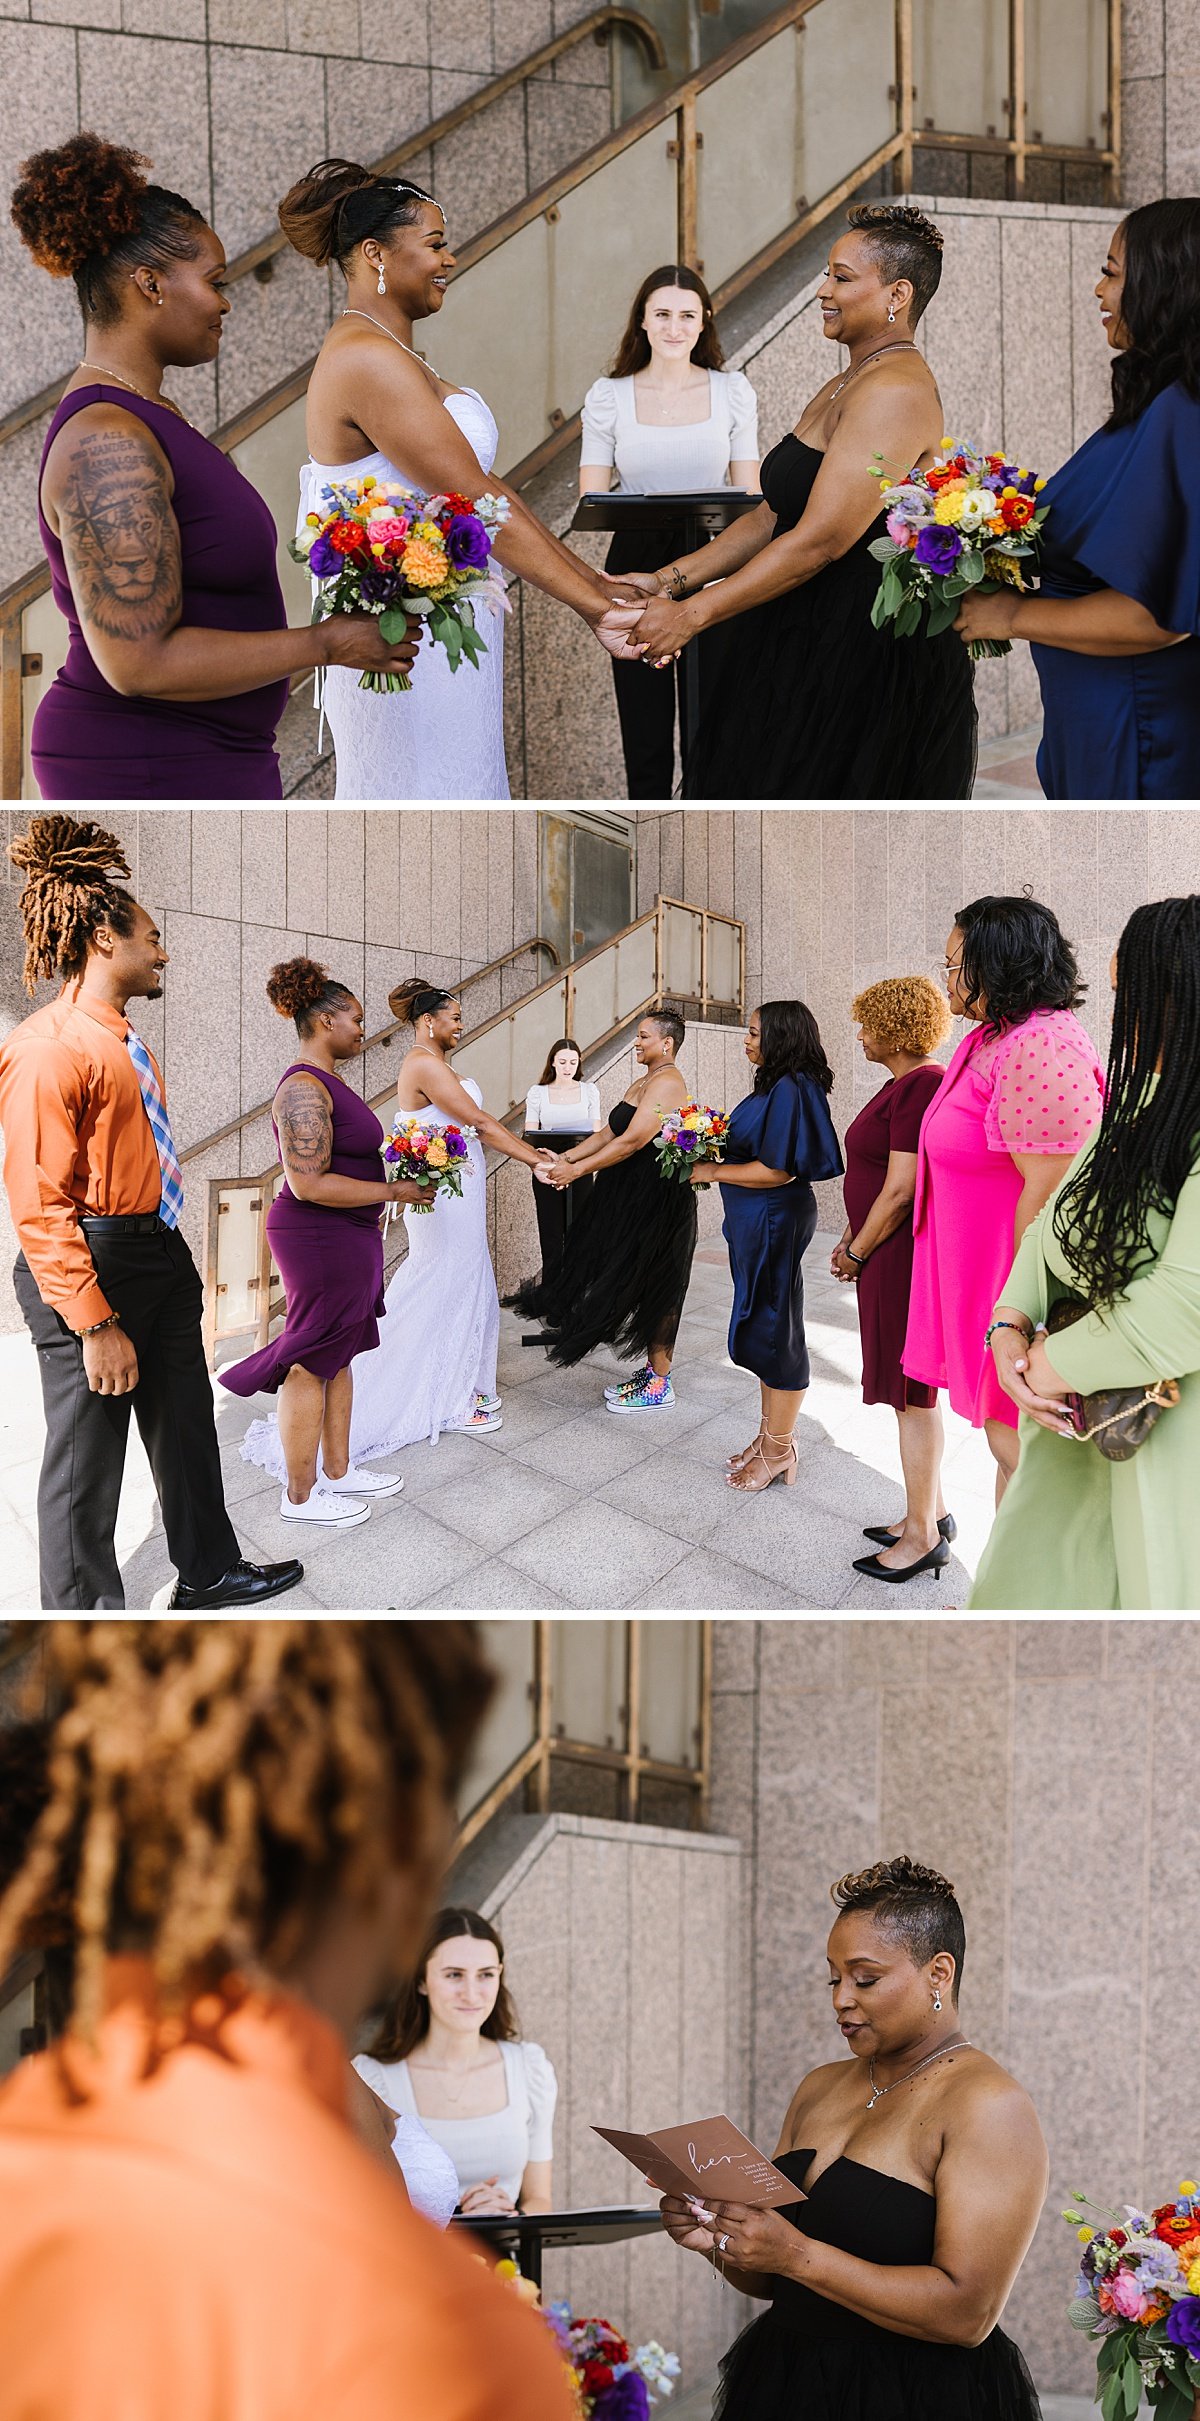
(1117, 1420)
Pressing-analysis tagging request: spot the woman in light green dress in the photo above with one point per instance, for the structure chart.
(1122, 1235)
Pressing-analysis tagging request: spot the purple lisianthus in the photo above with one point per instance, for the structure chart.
(467, 542)
(686, 1140)
(626, 2400)
(1183, 2326)
(323, 559)
(938, 548)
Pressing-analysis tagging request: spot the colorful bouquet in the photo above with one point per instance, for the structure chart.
(611, 2382)
(689, 1135)
(377, 547)
(1139, 2296)
(430, 1156)
(969, 522)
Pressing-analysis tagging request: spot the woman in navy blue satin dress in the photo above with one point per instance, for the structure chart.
(1115, 624)
(781, 1140)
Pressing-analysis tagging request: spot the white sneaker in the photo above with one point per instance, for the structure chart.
(335, 1512)
(488, 1403)
(355, 1482)
(629, 1386)
(476, 1422)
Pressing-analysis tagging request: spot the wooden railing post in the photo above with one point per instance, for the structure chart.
(905, 96)
(689, 196)
(1018, 102)
(1114, 125)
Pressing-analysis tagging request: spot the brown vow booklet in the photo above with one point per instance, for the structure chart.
(709, 2160)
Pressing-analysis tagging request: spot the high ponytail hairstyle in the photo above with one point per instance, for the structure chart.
(337, 204)
(300, 989)
(84, 210)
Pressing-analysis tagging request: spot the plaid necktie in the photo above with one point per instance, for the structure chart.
(160, 1128)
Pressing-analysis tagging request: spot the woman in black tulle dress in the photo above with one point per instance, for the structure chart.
(923, 2172)
(812, 701)
(628, 1256)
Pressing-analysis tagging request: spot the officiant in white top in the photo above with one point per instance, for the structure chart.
(670, 420)
(449, 2053)
(560, 1108)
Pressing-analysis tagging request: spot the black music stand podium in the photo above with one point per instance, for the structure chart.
(525, 2236)
(686, 523)
(554, 1139)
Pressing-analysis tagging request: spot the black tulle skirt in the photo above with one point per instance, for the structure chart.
(861, 2373)
(624, 1272)
(813, 703)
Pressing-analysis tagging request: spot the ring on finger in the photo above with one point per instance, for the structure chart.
(722, 2244)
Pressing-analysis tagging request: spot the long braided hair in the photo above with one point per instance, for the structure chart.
(212, 1787)
(1149, 1135)
(71, 887)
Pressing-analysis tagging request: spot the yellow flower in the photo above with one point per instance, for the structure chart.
(1086, 2235)
(1189, 2186)
(948, 509)
(425, 566)
(436, 1155)
(1193, 2277)
(690, 1118)
(1003, 567)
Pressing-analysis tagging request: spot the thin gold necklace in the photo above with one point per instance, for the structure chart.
(958, 2043)
(164, 400)
(351, 312)
(902, 345)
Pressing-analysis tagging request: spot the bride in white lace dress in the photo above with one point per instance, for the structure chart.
(434, 1367)
(374, 405)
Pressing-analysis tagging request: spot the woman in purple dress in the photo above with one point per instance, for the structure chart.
(162, 556)
(901, 1021)
(325, 1239)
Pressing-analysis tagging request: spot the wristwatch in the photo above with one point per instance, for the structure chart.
(860, 1260)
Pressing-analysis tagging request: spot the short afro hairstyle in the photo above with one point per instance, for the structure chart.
(904, 1013)
(912, 1905)
(905, 244)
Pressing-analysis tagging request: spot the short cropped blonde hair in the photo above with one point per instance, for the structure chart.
(904, 1013)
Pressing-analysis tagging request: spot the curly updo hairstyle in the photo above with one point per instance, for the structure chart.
(633, 352)
(69, 871)
(337, 204)
(417, 997)
(84, 210)
(300, 989)
(904, 243)
(903, 1013)
(910, 1904)
(1160, 307)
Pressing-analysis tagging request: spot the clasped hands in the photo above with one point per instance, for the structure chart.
(756, 2241)
(553, 1169)
(658, 627)
(1028, 1376)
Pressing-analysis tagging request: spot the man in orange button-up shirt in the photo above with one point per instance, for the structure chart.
(110, 1293)
(189, 2229)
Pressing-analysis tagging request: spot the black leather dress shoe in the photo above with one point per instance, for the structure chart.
(947, 1529)
(243, 1585)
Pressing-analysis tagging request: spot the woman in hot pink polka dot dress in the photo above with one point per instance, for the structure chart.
(1021, 1094)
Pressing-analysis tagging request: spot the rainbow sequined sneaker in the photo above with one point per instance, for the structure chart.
(629, 1386)
(652, 1395)
(488, 1403)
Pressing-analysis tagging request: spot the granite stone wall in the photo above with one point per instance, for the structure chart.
(232, 100)
(1160, 99)
(621, 1945)
(1038, 1765)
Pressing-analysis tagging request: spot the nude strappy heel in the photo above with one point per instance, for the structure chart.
(786, 1471)
(746, 1454)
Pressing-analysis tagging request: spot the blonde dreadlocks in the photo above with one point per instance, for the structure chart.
(69, 890)
(212, 1787)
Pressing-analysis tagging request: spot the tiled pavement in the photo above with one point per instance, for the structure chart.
(567, 1507)
(1008, 767)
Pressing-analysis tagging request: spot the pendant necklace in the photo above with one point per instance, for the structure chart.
(960, 2042)
(902, 345)
(100, 372)
(352, 313)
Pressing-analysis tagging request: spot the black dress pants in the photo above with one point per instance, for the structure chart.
(153, 1282)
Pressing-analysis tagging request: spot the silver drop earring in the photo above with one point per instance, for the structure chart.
(381, 287)
(937, 2001)
(891, 316)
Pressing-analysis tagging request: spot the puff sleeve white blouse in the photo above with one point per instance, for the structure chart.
(500, 2145)
(654, 460)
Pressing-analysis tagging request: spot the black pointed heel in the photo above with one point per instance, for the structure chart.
(935, 1562)
(947, 1529)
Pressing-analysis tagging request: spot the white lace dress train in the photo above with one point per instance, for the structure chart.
(444, 737)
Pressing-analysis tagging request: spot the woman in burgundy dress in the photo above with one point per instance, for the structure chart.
(162, 556)
(901, 1021)
(324, 1231)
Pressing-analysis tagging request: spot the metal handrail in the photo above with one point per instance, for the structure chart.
(259, 259)
(265, 1179)
(371, 1041)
